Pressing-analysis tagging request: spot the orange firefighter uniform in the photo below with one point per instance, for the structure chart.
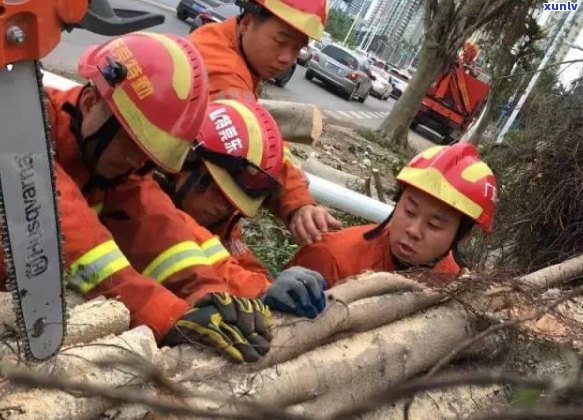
(230, 77)
(140, 249)
(346, 253)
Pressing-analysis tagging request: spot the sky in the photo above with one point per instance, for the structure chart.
(567, 73)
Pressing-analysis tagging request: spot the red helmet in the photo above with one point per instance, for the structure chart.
(455, 175)
(242, 148)
(307, 16)
(141, 74)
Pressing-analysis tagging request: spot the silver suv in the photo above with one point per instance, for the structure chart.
(343, 69)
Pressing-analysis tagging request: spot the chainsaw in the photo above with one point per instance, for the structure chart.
(29, 216)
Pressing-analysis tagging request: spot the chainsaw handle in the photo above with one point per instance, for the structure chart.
(102, 19)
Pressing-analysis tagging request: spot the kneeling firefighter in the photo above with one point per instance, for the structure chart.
(231, 171)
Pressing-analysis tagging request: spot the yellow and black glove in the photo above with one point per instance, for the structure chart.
(250, 316)
(238, 327)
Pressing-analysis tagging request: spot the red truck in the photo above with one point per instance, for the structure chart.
(453, 101)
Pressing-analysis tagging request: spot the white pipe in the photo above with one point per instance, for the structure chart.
(335, 196)
(323, 191)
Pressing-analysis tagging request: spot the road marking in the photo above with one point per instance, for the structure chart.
(344, 114)
(332, 114)
(359, 115)
(363, 115)
(159, 5)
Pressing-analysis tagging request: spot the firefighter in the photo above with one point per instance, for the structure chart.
(109, 135)
(239, 53)
(232, 169)
(444, 192)
(258, 45)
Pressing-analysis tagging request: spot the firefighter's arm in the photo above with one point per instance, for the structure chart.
(318, 257)
(168, 246)
(306, 220)
(96, 265)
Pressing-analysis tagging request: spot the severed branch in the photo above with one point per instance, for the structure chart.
(562, 413)
(503, 325)
(392, 394)
(242, 410)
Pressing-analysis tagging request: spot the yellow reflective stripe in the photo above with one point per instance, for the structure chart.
(97, 208)
(182, 70)
(95, 266)
(476, 171)
(287, 155)
(431, 181)
(185, 255)
(431, 152)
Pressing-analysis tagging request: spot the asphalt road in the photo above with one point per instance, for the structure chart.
(370, 114)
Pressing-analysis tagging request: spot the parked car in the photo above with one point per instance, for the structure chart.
(381, 86)
(223, 12)
(215, 14)
(343, 69)
(307, 52)
(191, 8)
(400, 81)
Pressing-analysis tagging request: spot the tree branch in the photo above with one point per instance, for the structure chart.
(536, 71)
(503, 325)
(413, 387)
(244, 410)
(562, 413)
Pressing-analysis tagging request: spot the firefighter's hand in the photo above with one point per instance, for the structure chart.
(299, 291)
(236, 326)
(309, 222)
(250, 316)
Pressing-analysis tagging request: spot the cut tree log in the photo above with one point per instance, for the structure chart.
(354, 349)
(342, 178)
(555, 275)
(298, 123)
(86, 322)
(79, 363)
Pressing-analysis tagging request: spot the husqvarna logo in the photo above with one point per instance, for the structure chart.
(561, 7)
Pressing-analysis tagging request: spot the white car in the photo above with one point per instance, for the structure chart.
(400, 82)
(381, 86)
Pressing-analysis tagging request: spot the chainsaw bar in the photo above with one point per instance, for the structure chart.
(29, 214)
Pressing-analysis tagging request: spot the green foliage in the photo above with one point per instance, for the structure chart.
(538, 167)
(338, 25)
(525, 397)
(270, 241)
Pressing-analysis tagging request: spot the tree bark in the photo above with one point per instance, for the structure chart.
(396, 125)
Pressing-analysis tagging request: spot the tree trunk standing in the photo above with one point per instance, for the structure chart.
(396, 125)
(484, 122)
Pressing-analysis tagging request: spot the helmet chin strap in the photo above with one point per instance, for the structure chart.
(102, 138)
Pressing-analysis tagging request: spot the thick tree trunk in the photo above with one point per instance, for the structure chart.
(483, 123)
(319, 367)
(396, 125)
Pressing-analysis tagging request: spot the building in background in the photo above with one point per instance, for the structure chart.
(358, 6)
